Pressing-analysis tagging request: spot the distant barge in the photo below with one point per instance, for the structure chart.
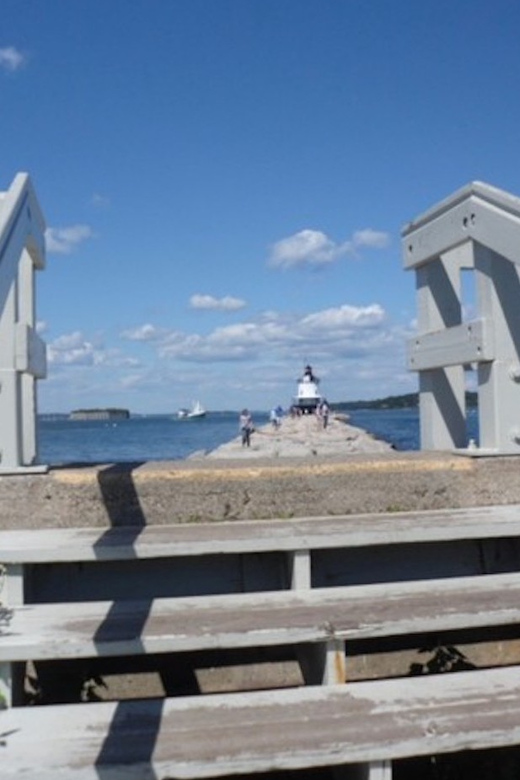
(99, 414)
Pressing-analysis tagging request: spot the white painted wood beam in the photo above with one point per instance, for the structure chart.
(371, 722)
(54, 545)
(470, 342)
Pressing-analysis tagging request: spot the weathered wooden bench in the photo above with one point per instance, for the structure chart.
(318, 620)
(367, 723)
(317, 624)
(300, 540)
(92, 629)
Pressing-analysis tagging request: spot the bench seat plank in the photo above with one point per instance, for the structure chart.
(90, 629)
(130, 542)
(223, 734)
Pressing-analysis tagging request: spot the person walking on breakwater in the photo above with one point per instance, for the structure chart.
(275, 417)
(246, 427)
(323, 411)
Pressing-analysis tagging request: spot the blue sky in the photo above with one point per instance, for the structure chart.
(224, 183)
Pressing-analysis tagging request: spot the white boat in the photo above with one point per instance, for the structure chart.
(197, 410)
(308, 396)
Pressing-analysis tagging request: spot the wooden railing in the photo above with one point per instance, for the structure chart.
(22, 352)
(476, 230)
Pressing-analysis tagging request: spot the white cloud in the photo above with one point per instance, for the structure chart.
(145, 332)
(132, 381)
(345, 317)
(74, 349)
(374, 239)
(314, 249)
(306, 248)
(71, 349)
(69, 341)
(65, 240)
(11, 59)
(227, 303)
(335, 331)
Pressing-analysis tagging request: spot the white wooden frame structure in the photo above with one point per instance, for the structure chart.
(22, 352)
(477, 228)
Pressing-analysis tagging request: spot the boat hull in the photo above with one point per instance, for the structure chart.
(196, 412)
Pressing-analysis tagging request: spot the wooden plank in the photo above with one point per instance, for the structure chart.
(300, 569)
(379, 770)
(466, 343)
(224, 734)
(128, 542)
(13, 584)
(90, 629)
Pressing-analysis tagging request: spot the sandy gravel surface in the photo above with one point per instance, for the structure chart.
(302, 437)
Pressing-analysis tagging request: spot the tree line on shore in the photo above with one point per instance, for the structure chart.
(406, 401)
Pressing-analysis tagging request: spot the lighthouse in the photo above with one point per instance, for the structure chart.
(308, 396)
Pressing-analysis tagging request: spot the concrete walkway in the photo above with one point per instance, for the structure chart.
(303, 437)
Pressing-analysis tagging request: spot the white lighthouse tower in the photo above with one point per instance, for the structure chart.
(308, 396)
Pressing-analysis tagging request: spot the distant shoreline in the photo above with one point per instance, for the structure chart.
(406, 401)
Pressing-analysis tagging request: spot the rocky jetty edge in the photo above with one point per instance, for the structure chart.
(303, 437)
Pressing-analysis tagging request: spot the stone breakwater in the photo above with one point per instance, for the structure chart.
(303, 437)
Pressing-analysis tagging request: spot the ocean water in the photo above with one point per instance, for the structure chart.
(138, 439)
(400, 427)
(164, 437)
